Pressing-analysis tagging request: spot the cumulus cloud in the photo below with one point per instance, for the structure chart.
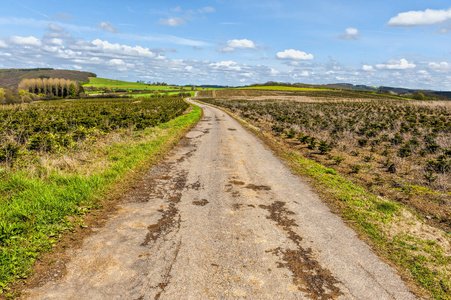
(206, 10)
(3, 44)
(393, 64)
(420, 18)
(56, 41)
(367, 68)
(25, 41)
(243, 44)
(116, 62)
(228, 65)
(442, 67)
(107, 26)
(292, 54)
(350, 34)
(106, 48)
(172, 21)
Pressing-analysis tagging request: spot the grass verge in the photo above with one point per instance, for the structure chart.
(35, 212)
(419, 252)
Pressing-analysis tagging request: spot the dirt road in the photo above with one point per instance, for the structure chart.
(223, 218)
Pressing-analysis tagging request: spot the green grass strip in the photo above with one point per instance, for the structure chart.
(33, 215)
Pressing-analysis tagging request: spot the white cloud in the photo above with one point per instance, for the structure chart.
(206, 10)
(120, 65)
(172, 21)
(243, 44)
(419, 18)
(292, 54)
(367, 68)
(274, 72)
(105, 47)
(116, 62)
(401, 64)
(189, 68)
(442, 67)
(350, 34)
(53, 49)
(107, 26)
(55, 41)
(25, 41)
(229, 65)
(3, 44)
(55, 28)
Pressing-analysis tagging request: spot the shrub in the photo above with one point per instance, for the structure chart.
(9, 152)
(355, 168)
(324, 147)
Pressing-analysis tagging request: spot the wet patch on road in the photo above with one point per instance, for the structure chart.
(194, 186)
(171, 216)
(237, 182)
(235, 194)
(202, 202)
(258, 187)
(308, 275)
(236, 206)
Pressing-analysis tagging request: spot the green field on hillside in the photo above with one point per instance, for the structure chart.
(118, 84)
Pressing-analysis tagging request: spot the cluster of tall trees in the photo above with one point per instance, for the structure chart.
(56, 87)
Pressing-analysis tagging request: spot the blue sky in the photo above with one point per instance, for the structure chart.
(237, 42)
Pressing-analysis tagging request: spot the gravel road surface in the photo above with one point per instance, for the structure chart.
(223, 218)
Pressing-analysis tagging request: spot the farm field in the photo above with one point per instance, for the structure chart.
(400, 148)
(58, 158)
(363, 150)
(112, 88)
(290, 94)
(282, 88)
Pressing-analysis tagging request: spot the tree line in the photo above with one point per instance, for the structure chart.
(54, 87)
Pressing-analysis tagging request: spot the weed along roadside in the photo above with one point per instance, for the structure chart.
(398, 234)
(42, 203)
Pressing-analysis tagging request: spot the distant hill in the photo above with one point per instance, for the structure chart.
(388, 89)
(10, 78)
(403, 92)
